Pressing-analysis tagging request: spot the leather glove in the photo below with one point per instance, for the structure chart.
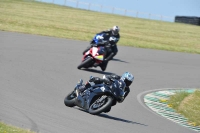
(108, 82)
(92, 79)
(81, 88)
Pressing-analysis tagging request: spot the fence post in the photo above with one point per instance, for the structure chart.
(125, 12)
(136, 14)
(149, 15)
(113, 10)
(101, 8)
(89, 6)
(161, 17)
(77, 4)
(65, 2)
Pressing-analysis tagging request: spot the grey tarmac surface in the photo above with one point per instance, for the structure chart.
(37, 72)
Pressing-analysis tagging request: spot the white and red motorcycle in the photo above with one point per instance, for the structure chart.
(95, 55)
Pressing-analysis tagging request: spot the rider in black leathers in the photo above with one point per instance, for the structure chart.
(127, 78)
(114, 32)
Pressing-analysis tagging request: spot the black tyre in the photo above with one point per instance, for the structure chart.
(70, 99)
(108, 110)
(98, 107)
(85, 63)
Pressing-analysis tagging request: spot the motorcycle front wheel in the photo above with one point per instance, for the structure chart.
(70, 99)
(85, 63)
(100, 105)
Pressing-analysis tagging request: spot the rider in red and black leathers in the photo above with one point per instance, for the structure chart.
(114, 32)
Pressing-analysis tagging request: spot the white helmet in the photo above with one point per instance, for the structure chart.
(127, 78)
(115, 30)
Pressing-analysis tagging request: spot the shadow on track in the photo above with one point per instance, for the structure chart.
(119, 60)
(113, 118)
(119, 119)
(97, 71)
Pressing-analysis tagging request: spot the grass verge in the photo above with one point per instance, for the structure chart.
(33, 17)
(188, 105)
(4, 128)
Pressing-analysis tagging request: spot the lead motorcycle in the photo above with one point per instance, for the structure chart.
(95, 55)
(96, 99)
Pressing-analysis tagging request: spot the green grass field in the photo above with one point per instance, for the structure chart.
(59, 21)
(188, 105)
(4, 128)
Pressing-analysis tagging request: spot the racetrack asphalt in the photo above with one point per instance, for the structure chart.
(37, 72)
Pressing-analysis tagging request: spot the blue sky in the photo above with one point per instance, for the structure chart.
(168, 8)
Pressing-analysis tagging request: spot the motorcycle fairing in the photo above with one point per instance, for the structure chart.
(99, 57)
(96, 52)
(101, 50)
(95, 90)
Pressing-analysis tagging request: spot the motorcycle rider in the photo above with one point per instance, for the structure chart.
(113, 36)
(126, 78)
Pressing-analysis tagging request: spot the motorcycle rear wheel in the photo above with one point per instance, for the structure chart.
(105, 107)
(85, 63)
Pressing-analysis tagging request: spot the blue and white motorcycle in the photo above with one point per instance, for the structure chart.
(96, 99)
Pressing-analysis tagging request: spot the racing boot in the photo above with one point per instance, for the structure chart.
(109, 57)
(103, 65)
